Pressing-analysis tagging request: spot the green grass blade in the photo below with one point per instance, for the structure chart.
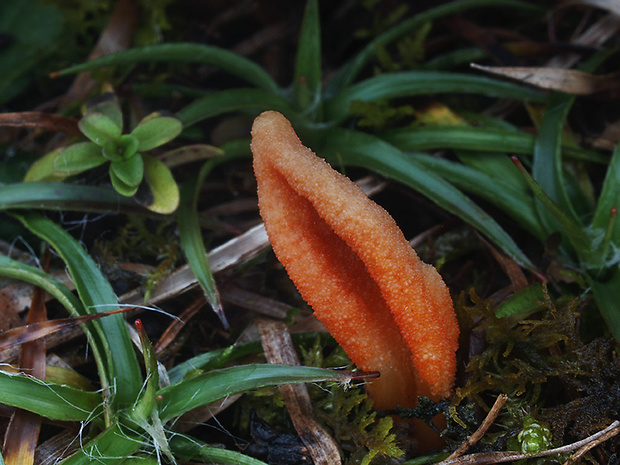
(572, 230)
(515, 203)
(190, 235)
(370, 152)
(113, 446)
(214, 385)
(186, 53)
(480, 139)
(350, 71)
(607, 295)
(406, 84)
(461, 137)
(609, 198)
(60, 196)
(307, 84)
(212, 360)
(54, 401)
(547, 167)
(186, 448)
(122, 376)
(232, 100)
(17, 270)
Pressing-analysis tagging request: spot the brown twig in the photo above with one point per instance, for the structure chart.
(509, 456)
(482, 429)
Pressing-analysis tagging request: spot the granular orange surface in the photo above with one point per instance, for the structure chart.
(389, 311)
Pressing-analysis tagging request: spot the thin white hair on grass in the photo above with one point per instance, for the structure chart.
(143, 307)
(20, 239)
(57, 394)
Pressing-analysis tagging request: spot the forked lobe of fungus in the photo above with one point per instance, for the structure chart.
(349, 260)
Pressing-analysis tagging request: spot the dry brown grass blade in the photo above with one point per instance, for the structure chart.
(278, 348)
(22, 434)
(32, 332)
(255, 302)
(237, 250)
(173, 330)
(38, 120)
(564, 80)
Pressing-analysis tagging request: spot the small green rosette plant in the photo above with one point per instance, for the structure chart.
(133, 173)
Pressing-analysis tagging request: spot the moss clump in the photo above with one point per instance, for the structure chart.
(549, 373)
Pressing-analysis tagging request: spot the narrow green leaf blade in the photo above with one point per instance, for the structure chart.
(547, 167)
(60, 196)
(517, 204)
(111, 447)
(189, 448)
(461, 137)
(214, 385)
(187, 53)
(609, 199)
(350, 71)
(17, 270)
(607, 295)
(54, 401)
(407, 84)
(232, 100)
(573, 231)
(191, 240)
(121, 372)
(307, 82)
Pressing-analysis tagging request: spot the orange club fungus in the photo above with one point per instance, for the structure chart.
(351, 263)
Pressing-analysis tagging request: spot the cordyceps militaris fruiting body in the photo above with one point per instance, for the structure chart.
(390, 312)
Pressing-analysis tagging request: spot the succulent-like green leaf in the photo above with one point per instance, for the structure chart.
(43, 169)
(77, 158)
(119, 186)
(129, 171)
(108, 105)
(99, 128)
(159, 191)
(120, 149)
(156, 130)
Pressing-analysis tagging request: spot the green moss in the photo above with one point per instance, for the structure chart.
(553, 378)
(137, 241)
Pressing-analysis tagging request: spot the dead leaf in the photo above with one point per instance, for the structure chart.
(38, 120)
(571, 81)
